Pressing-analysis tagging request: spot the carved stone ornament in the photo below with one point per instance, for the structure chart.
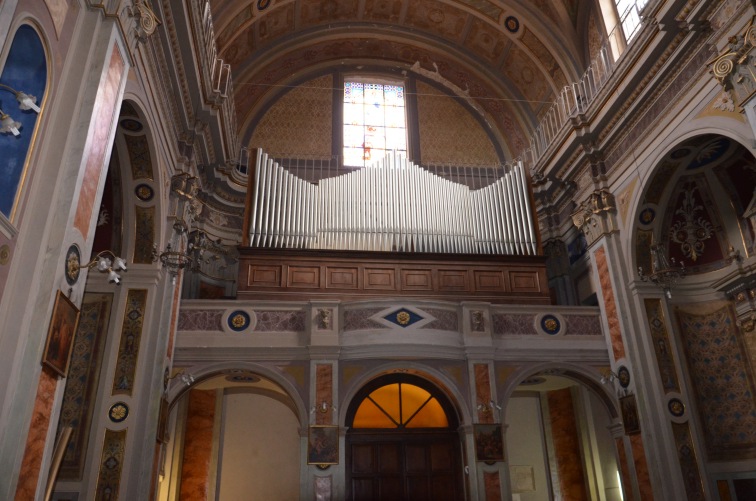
(146, 20)
(734, 69)
(477, 321)
(323, 318)
(595, 216)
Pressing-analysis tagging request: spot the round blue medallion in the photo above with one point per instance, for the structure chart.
(238, 320)
(144, 192)
(676, 407)
(647, 216)
(512, 24)
(73, 264)
(118, 412)
(551, 325)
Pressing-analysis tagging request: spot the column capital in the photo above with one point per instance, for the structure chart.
(595, 216)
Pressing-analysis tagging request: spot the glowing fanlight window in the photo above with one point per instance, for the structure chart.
(374, 122)
(400, 405)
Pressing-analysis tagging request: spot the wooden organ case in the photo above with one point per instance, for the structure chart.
(319, 232)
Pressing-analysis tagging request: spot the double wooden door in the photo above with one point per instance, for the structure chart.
(409, 465)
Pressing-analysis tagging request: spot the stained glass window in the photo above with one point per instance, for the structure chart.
(374, 122)
(400, 405)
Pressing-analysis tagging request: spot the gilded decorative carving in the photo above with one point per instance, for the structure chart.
(595, 216)
(734, 69)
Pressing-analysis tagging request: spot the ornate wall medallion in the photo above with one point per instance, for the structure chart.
(512, 24)
(73, 261)
(403, 317)
(238, 320)
(550, 325)
(144, 192)
(676, 407)
(623, 376)
(118, 412)
(4, 254)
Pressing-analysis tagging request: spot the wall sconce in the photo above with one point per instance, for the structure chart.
(489, 407)
(663, 274)
(322, 408)
(102, 261)
(183, 376)
(172, 260)
(623, 379)
(25, 102)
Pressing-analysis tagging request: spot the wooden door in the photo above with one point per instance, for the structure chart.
(411, 466)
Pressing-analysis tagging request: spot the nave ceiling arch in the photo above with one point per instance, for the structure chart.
(514, 57)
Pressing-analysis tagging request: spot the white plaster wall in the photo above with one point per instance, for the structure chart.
(525, 445)
(260, 454)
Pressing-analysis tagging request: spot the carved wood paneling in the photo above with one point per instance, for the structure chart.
(311, 274)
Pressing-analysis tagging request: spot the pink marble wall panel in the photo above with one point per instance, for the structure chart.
(483, 392)
(35, 440)
(324, 393)
(174, 320)
(566, 441)
(198, 446)
(582, 325)
(445, 320)
(627, 489)
(323, 488)
(641, 468)
(492, 484)
(360, 319)
(610, 304)
(513, 325)
(280, 321)
(98, 141)
(200, 320)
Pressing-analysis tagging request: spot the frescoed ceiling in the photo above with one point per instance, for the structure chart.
(512, 56)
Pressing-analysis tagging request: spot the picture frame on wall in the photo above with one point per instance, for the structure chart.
(323, 445)
(60, 335)
(630, 418)
(489, 442)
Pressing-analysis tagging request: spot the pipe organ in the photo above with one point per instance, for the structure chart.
(393, 205)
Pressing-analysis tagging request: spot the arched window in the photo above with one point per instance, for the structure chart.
(400, 402)
(375, 121)
(25, 71)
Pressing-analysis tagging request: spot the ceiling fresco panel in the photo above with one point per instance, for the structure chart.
(383, 10)
(520, 69)
(314, 12)
(484, 7)
(435, 16)
(540, 51)
(486, 40)
(275, 23)
(228, 32)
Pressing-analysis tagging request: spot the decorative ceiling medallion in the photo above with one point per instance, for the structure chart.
(403, 317)
(131, 125)
(144, 192)
(709, 153)
(647, 216)
(623, 376)
(512, 24)
(262, 4)
(118, 412)
(238, 320)
(550, 325)
(4, 254)
(242, 378)
(73, 261)
(676, 407)
(680, 153)
(532, 381)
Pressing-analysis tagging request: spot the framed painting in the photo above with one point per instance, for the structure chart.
(630, 415)
(323, 445)
(489, 443)
(60, 335)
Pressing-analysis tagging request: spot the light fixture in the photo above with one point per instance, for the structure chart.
(608, 376)
(322, 408)
(25, 102)
(489, 407)
(663, 274)
(102, 261)
(172, 260)
(183, 376)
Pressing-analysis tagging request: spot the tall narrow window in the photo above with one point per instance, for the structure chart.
(629, 14)
(374, 122)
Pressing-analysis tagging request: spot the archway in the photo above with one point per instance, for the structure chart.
(402, 442)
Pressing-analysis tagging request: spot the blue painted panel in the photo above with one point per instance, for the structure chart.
(26, 71)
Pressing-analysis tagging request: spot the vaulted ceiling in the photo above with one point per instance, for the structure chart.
(510, 56)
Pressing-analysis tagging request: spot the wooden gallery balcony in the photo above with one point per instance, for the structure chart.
(390, 230)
